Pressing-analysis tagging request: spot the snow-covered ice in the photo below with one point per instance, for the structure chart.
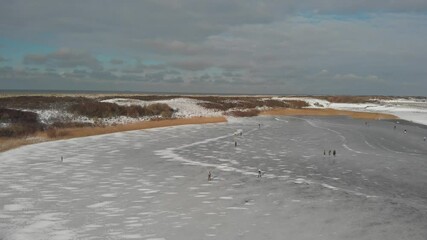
(152, 184)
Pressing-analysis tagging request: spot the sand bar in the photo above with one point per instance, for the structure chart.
(327, 112)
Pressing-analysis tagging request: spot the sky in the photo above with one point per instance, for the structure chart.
(321, 47)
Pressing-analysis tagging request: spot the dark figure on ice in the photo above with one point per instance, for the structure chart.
(259, 173)
(209, 176)
(62, 159)
(259, 125)
(404, 131)
(235, 143)
(335, 153)
(324, 152)
(394, 127)
(424, 139)
(329, 152)
(366, 123)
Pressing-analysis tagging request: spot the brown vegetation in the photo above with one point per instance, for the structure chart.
(297, 104)
(17, 116)
(19, 123)
(141, 97)
(352, 99)
(227, 103)
(39, 102)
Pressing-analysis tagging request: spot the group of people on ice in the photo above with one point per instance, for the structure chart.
(333, 152)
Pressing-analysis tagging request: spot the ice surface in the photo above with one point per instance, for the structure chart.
(152, 184)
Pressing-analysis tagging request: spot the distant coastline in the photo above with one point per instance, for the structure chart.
(119, 92)
(100, 92)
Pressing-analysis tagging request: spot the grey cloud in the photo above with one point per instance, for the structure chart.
(174, 47)
(64, 58)
(192, 65)
(231, 74)
(141, 68)
(35, 59)
(356, 78)
(127, 25)
(172, 71)
(164, 77)
(132, 78)
(233, 66)
(174, 80)
(155, 77)
(155, 67)
(78, 73)
(134, 69)
(280, 44)
(116, 61)
(104, 75)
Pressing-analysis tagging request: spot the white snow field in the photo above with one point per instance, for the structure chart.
(152, 184)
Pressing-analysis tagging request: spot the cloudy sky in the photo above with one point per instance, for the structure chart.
(216, 46)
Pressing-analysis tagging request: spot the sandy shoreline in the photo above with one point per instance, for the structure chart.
(327, 112)
(67, 133)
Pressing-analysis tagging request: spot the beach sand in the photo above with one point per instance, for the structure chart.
(327, 112)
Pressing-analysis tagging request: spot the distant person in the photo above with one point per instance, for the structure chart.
(259, 173)
(394, 127)
(366, 123)
(329, 152)
(62, 159)
(404, 131)
(424, 139)
(259, 125)
(235, 143)
(335, 153)
(241, 133)
(324, 152)
(209, 176)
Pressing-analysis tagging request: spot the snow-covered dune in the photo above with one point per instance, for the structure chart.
(183, 107)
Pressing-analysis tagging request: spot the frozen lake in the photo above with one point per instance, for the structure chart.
(152, 184)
